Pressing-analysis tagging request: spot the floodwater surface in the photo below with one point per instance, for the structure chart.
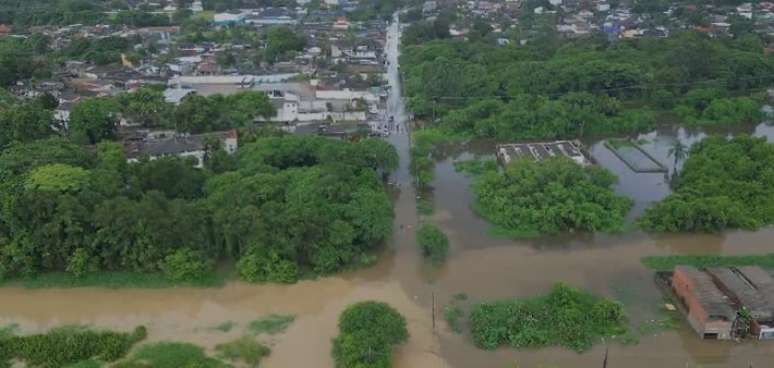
(483, 266)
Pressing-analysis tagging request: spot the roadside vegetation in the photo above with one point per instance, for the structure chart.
(556, 195)
(668, 263)
(67, 345)
(433, 243)
(725, 184)
(368, 334)
(565, 317)
(284, 207)
(424, 142)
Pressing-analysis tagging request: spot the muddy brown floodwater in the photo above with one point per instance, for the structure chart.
(480, 265)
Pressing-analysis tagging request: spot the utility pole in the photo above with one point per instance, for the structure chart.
(433, 293)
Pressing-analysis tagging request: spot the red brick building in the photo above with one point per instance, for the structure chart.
(709, 310)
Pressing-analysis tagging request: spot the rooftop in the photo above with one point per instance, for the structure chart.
(541, 151)
(711, 298)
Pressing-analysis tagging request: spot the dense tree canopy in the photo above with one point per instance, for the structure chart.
(548, 197)
(146, 106)
(197, 114)
(580, 87)
(24, 122)
(93, 120)
(280, 42)
(288, 206)
(724, 184)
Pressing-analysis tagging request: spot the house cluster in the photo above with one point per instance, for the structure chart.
(616, 20)
(726, 302)
(333, 85)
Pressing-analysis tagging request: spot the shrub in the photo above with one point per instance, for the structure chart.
(271, 324)
(565, 316)
(453, 314)
(79, 264)
(434, 243)
(261, 266)
(69, 345)
(170, 355)
(185, 265)
(368, 332)
(245, 349)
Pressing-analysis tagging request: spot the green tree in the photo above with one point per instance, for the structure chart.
(433, 242)
(549, 197)
(368, 333)
(146, 106)
(280, 42)
(679, 151)
(93, 120)
(57, 178)
(23, 123)
(724, 184)
(185, 265)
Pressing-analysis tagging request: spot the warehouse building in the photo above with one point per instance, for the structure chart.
(723, 302)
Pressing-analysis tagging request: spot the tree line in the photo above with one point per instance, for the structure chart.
(583, 87)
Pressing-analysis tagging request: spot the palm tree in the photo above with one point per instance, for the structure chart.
(679, 151)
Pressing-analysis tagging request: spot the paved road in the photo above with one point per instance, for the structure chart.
(399, 136)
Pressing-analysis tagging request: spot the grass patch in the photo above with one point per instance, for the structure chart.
(111, 280)
(271, 324)
(668, 321)
(244, 349)
(453, 315)
(170, 355)
(225, 326)
(207, 15)
(8, 330)
(475, 167)
(565, 317)
(620, 142)
(668, 263)
(66, 346)
(91, 363)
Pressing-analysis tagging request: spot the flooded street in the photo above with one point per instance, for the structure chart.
(479, 264)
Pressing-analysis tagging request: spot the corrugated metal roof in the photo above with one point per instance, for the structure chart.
(711, 298)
